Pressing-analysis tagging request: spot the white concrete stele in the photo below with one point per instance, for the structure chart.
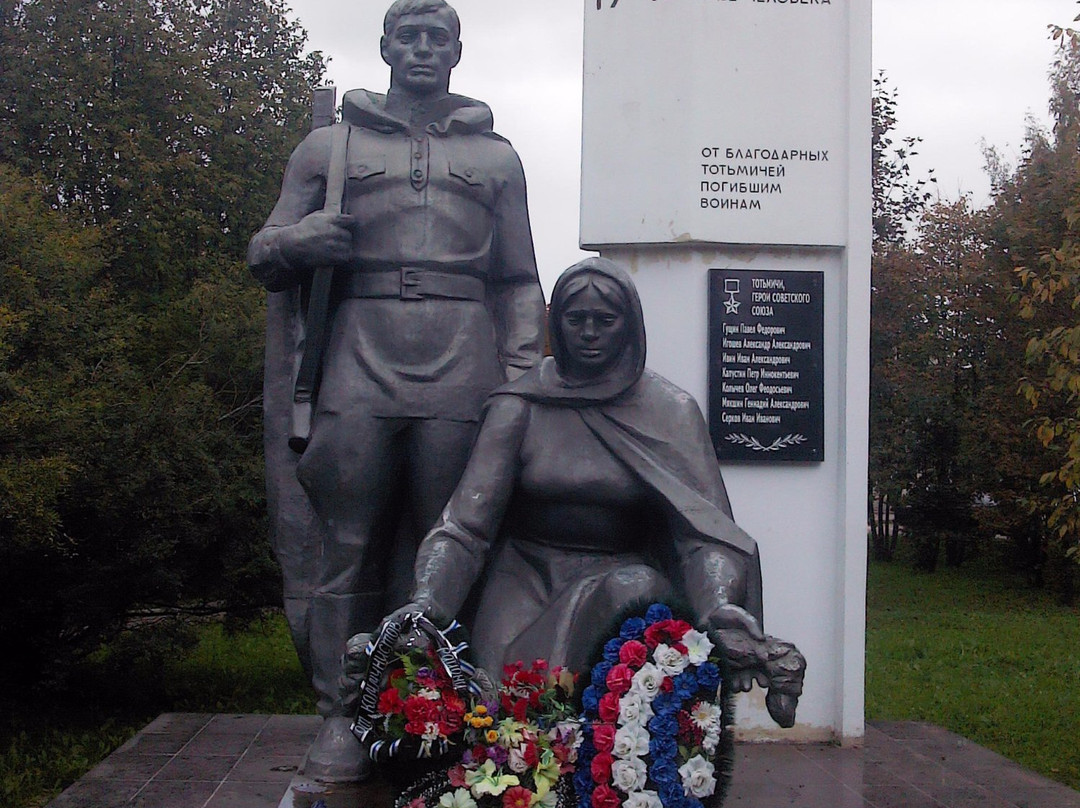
(736, 134)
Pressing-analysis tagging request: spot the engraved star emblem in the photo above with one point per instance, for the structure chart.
(731, 306)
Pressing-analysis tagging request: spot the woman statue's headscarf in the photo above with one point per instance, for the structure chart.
(551, 385)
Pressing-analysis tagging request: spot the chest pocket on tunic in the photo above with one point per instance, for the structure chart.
(362, 169)
(472, 182)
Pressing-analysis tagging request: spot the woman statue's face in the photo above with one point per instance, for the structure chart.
(593, 333)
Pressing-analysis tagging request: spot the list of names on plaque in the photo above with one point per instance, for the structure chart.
(766, 378)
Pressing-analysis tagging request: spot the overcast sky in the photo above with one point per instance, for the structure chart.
(966, 70)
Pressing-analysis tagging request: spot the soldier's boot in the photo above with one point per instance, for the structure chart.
(336, 756)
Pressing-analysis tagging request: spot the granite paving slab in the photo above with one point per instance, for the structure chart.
(201, 760)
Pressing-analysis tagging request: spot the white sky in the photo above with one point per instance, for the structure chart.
(966, 70)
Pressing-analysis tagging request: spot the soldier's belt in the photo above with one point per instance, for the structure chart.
(414, 283)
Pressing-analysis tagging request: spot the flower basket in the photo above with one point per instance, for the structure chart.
(414, 695)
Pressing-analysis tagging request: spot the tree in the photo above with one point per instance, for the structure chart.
(1041, 208)
(898, 200)
(141, 142)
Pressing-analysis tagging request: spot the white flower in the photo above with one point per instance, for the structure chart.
(671, 661)
(429, 693)
(569, 734)
(461, 798)
(647, 682)
(697, 645)
(631, 741)
(643, 799)
(697, 777)
(629, 775)
(634, 709)
(516, 760)
(706, 715)
(709, 742)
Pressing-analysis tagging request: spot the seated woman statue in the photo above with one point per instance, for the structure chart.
(593, 486)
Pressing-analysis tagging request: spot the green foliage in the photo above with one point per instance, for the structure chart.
(1039, 211)
(141, 143)
(942, 327)
(46, 747)
(991, 661)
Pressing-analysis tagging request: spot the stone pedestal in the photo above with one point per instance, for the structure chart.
(735, 135)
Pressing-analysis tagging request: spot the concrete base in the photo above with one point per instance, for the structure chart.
(188, 760)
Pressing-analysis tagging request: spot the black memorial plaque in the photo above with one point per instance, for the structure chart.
(766, 378)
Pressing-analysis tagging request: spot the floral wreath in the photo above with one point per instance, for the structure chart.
(653, 730)
(657, 719)
(413, 699)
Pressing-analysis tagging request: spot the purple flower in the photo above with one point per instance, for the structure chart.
(657, 612)
(497, 755)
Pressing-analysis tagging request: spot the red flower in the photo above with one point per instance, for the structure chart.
(516, 797)
(603, 737)
(667, 685)
(456, 776)
(390, 702)
(620, 678)
(604, 796)
(601, 767)
(531, 755)
(690, 734)
(609, 707)
(668, 632)
(634, 654)
(418, 708)
(521, 709)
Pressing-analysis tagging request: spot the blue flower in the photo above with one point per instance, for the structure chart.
(692, 802)
(663, 725)
(663, 746)
(664, 772)
(666, 704)
(708, 676)
(686, 685)
(633, 629)
(611, 650)
(672, 794)
(657, 612)
(583, 785)
(590, 699)
(599, 674)
(586, 750)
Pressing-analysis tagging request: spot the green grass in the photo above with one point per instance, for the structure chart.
(988, 658)
(998, 663)
(45, 747)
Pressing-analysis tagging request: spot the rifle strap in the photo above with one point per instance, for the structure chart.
(318, 313)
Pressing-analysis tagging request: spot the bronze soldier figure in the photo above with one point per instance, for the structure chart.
(436, 302)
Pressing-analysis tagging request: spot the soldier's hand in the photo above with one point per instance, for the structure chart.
(319, 240)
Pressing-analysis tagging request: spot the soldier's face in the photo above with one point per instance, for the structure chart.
(421, 51)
